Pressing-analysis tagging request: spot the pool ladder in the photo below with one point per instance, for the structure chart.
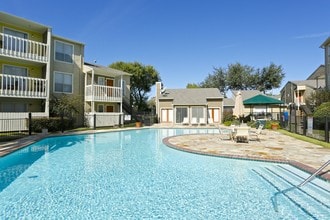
(307, 180)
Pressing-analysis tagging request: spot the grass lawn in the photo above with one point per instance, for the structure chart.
(304, 138)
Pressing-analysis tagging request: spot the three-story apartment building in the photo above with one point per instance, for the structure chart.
(37, 66)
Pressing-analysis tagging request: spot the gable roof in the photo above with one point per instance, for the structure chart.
(319, 73)
(104, 71)
(196, 96)
(311, 83)
(262, 100)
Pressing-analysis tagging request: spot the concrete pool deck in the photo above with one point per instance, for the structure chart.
(273, 146)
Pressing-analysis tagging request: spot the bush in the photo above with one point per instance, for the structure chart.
(227, 123)
(52, 124)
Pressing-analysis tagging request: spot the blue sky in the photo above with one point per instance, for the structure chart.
(185, 39)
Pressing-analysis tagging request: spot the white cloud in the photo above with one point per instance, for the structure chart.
(315, 35)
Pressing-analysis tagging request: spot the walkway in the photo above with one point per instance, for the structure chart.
(273, 146)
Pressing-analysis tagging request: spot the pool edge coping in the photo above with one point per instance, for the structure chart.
(296, 164)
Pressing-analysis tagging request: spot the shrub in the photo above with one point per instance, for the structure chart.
(52, 124)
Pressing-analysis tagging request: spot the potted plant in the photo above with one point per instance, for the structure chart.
(274, 125)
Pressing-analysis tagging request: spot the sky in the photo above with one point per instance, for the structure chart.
(184, 40)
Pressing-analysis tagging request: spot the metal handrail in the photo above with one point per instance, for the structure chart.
(308, 179)
(311, 177)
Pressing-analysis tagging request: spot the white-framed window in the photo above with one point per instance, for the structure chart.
(15, 43)
(180, 113)
(197, 112)
(17, 83)
(101, 81)
(63, 52)
(100, 108)
(63, 82)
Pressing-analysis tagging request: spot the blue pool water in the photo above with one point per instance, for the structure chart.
(132, 175)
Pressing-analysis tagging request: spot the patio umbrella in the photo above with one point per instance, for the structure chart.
(238, 110)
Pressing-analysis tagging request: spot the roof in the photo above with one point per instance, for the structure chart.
(196, 96)
(262, 100)
(104, 71)
(228, 102)
(313, 83)
(325, 43)
(319, 73)
(246, 94)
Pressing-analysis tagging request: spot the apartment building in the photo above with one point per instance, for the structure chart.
(37, 66)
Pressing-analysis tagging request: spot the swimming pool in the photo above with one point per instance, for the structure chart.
(132, 175)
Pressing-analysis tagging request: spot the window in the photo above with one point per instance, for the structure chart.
(63, 52)
(13, 107)
(180, 113)
(197, 112)
(101, 81)
(16, 44)
(63, 82)
(100, 108)
(14, 83)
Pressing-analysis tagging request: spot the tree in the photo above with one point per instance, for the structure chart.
(142, 79)
(318, 97)
(323, 110)
(238, 76)
(242, 77)
(216, 80)
(270, 77)
(192, 86)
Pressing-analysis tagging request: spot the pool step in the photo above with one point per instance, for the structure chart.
(313, 198)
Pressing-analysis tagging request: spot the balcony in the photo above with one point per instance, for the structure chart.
(98, 93)
(21, 48)
(22, 87)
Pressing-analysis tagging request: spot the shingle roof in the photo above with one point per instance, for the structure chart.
(106, 71)
(196, 96)
(311, 83)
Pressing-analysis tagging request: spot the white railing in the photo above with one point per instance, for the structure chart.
(103, 93)
(23, 87)
(103, 119)
(17, 121)
(22, 48)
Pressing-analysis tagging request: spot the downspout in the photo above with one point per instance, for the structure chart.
(92, 92)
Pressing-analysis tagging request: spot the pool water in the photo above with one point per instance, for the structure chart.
(132, 175)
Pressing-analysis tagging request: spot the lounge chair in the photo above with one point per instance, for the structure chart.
(202, 121)
(194, 121)
(255, 134)
(241, 134)
(185, 121)
(225, 134)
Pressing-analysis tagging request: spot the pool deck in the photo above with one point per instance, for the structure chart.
(272, 146)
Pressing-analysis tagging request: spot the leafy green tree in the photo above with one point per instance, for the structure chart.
(242, 77)
(318, 97)
(142, 79)
(192, 86)
(270, 77)
(238, 76)
(66, 105)
(216, 80)
(323, 110)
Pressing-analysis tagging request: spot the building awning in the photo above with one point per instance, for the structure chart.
(262, 100)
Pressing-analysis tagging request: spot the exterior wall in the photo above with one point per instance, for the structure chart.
(31, 35)
(287, 93)
(75, 68)
(327, 65)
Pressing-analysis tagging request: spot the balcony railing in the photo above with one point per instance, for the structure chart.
(103, 93)
(16, 47)
(22, 87)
